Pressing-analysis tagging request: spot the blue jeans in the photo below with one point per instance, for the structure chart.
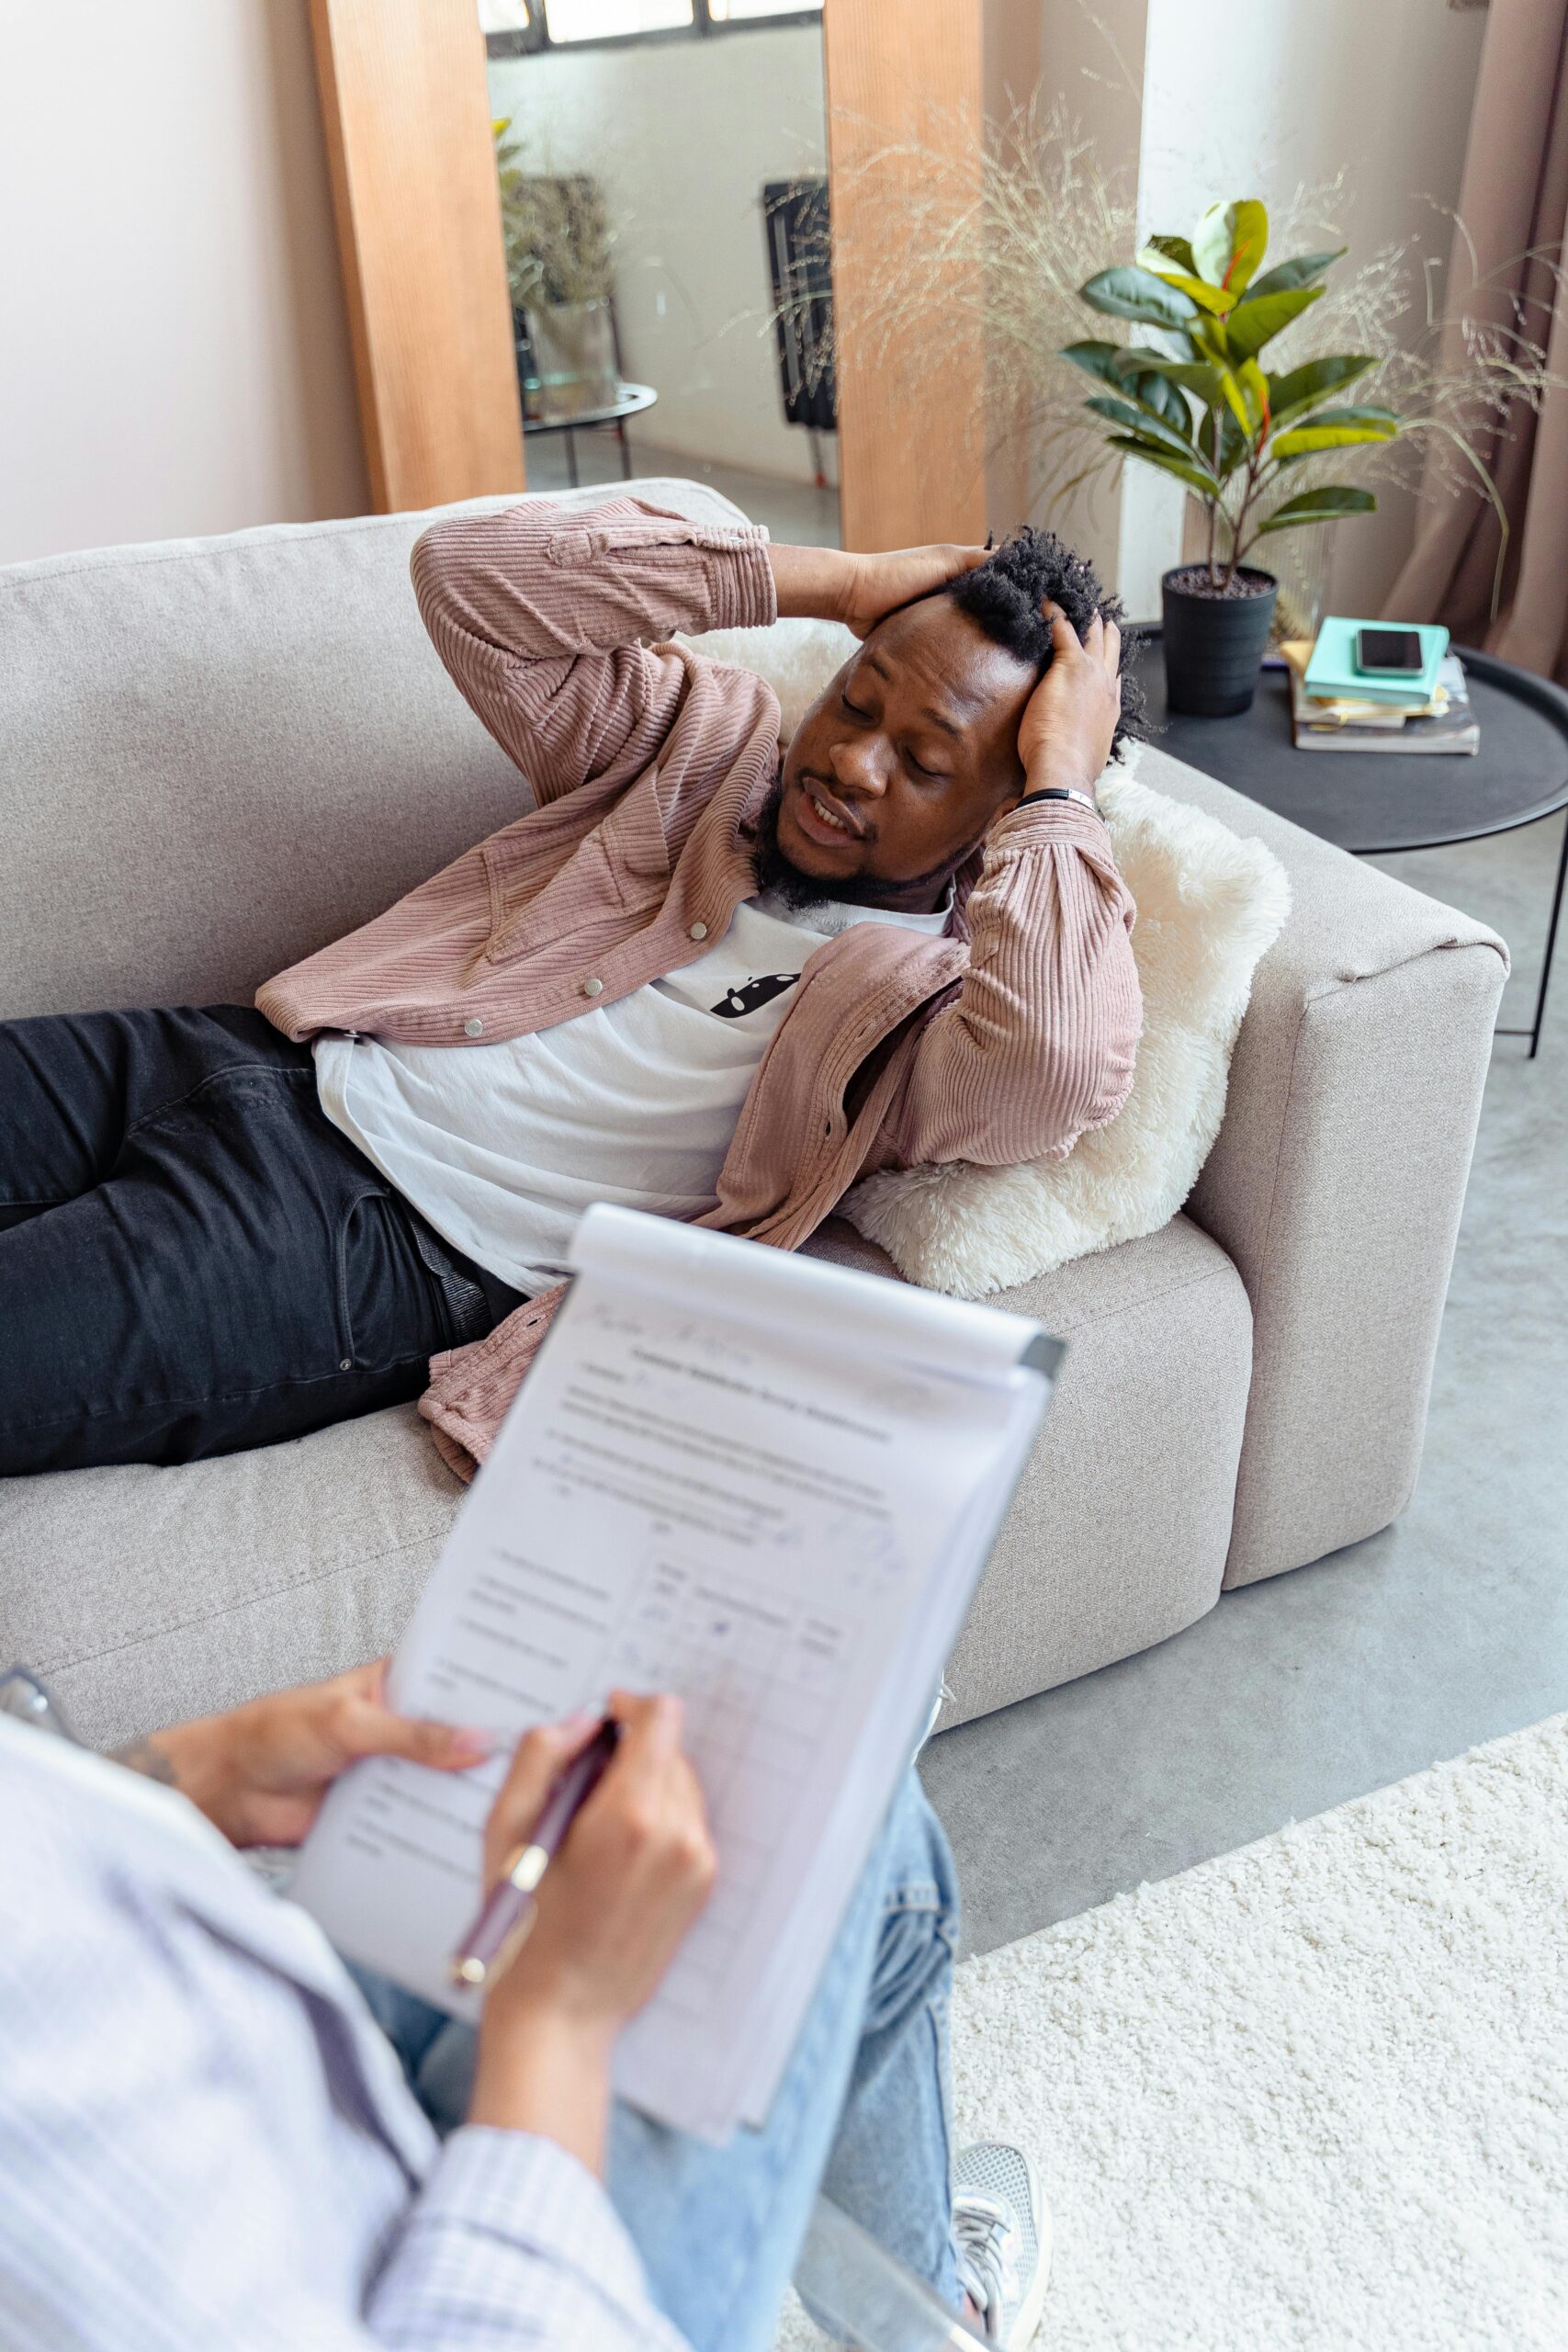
(863, 2111)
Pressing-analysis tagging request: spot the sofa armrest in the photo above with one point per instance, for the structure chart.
(1337, 1181)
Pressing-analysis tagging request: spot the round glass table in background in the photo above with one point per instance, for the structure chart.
(1374, 802)
(631, 400)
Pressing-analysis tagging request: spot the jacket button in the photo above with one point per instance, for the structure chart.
(473, 1027)
(592, 988)
(698, 931)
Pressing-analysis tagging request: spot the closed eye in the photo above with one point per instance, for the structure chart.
(868, 719)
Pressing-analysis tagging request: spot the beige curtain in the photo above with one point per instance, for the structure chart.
(1513, 211)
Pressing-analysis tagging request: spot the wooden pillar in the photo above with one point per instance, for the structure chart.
(418, 206)
(911, 409)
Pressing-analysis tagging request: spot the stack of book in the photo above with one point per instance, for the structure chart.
(1335, 709)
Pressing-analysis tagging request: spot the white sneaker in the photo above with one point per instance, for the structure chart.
(1002, 2227)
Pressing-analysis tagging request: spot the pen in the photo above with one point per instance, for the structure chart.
(508, 1910)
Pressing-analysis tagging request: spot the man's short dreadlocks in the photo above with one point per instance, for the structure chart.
(1004, 596)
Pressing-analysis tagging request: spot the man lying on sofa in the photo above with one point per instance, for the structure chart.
(698, 978)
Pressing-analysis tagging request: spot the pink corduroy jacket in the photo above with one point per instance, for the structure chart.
(1000, 1042)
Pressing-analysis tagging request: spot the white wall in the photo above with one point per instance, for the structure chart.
(682, 135)
(1259, 100)
(1012, 36)
(1264, 99)
(174, 357)
(1091, 59)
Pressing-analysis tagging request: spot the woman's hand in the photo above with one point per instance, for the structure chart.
(1069, 721)
(260, 1771)
(635, 1870)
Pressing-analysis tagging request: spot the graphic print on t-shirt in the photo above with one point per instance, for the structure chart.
(750, 995)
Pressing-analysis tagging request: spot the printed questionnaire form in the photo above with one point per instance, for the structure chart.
(751, 1518)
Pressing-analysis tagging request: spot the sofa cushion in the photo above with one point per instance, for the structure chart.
(215, 755)
(142, 1595)
(1338, 1177)
(1117, 1535)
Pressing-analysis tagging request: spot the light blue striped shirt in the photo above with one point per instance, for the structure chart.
(205, 2139)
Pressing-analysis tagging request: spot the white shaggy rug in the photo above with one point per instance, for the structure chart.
(1312, 2096)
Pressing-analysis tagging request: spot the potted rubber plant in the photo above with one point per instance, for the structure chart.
(560, 267)
(1200, 405)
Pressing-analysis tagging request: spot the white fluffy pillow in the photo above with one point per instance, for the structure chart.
(1210, 905)
(798, 658)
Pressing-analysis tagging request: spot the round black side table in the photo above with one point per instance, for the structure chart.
(630, 400)
(1374, 802)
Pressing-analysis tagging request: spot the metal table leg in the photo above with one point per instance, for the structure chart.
(1533, 1032)
(571, 456)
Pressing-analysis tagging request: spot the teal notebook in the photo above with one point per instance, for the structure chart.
(1332, 670)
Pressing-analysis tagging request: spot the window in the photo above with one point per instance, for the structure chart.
(737, 12)
(514, 28)
(569, 20)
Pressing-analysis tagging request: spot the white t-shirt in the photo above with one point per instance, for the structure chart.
(501, 1147)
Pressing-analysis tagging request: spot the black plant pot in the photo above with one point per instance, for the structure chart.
(1214, 645)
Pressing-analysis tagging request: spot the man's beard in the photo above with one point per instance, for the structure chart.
(777, 872)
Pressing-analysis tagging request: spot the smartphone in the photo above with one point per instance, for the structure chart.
(1388, 652)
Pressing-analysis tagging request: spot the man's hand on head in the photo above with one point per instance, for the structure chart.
(824, 583)
(881, 583)
(1069, 721)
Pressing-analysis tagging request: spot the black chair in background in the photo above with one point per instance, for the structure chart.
(795, 226)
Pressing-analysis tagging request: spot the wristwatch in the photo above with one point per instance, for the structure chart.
(1062, 792)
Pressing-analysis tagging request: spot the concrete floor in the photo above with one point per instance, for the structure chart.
(794, 512)
(1448, 1628)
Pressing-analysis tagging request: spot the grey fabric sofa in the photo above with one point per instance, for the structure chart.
(215, 755)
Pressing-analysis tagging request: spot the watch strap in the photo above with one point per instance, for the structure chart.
(1061, 792)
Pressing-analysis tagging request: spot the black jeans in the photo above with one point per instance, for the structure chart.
(192, 1258)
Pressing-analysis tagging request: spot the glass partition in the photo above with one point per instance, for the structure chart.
(663, 169)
